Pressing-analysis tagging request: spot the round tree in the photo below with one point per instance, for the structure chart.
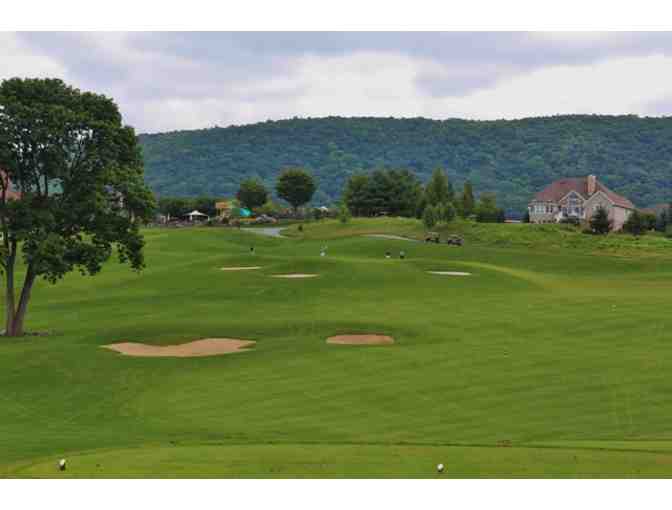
(252, 194)
(296, 186)
(72, 189)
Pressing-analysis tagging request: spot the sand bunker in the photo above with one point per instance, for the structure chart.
(204, 347)
(295, 275)
(248, 268)
(449, 273)
(360, 340)
(392, 237)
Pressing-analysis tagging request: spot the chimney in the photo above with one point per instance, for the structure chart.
(592, 184)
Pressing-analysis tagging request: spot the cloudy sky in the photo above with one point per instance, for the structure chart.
(182, 80)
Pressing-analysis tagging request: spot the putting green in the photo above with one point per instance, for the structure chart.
(557, 345)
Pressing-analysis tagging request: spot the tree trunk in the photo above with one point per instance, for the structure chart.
(20, 314)
(9, 293)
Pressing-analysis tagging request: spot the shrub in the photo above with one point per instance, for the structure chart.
(429, 217)
(344, 214)
(635, 224)
(668, 232)
(600, 222)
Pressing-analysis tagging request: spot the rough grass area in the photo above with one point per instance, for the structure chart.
(544, 362)
(542, 238)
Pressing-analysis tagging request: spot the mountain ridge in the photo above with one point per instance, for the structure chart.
(513, 158)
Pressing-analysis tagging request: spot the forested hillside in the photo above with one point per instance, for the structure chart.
(631, 155)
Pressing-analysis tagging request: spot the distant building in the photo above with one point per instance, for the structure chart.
(579, 198)
(224, 208)
(10, 192)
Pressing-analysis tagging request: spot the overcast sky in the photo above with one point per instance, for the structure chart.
(180, 80)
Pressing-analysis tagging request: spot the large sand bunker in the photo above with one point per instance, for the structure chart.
(295, 275)
(360, 340)
(204, 347)
(449, 273)
(244, 268)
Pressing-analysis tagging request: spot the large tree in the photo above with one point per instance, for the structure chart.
(296, 186)
(79, 173)
(393, 192)
(438, 189)
(468, 201)
(355, 194)
(252, 193)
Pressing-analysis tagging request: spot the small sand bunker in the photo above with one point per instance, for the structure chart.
(449, 273)
(295, 275)
(360, 340)
(204, 347)
(246, 268)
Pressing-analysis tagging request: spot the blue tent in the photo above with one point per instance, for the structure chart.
(245, 213)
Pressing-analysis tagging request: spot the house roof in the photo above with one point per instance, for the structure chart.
(558, 189)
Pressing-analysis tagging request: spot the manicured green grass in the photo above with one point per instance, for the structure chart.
(544, 362)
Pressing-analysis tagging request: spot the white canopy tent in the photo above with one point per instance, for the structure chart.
(195, 215)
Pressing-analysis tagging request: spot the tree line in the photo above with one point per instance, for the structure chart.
(294, 185)
(401, 193)
(512, 158)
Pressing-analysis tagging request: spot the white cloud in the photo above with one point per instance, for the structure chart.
(185, 81)
(18, 62)
(615, 86)
(386, 85)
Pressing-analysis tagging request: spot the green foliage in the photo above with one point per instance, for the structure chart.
(600, 222)
(649, 221)
(81, 175)
(270, 208)
(487, 210)
(635, 224)
(526, 216)
(296, 186)
(668, 232)
(438, 189)
(429, 217)
(252, 193)
(445, 212)
(420, 205)
(468, 201)
(513, 158)
(664, 218)
(393, 192)
(344, 214)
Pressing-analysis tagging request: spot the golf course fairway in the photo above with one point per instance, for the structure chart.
(549, 356)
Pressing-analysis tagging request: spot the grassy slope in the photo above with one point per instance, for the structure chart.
(567, 352)
(542, 238)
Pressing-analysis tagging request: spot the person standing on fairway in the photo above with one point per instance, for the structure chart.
(251, 250)
(402, 254)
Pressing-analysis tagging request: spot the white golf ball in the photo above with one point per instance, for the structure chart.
(439, 468)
